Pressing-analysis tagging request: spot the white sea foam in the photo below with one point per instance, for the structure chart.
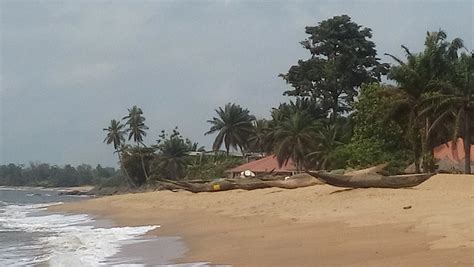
(67, 240)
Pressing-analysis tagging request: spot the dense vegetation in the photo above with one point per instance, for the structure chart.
(43, 174)
(339, 115)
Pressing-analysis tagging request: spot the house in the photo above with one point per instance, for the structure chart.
(263, 166)
(450, 156)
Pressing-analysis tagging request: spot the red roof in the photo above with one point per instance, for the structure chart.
(267, 164)
(453, 152)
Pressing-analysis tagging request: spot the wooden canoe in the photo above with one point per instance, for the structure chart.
(371, 180)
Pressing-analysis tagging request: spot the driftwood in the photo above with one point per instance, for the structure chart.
(372, 180)
(232, 184)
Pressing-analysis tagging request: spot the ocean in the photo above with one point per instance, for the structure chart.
(31, 236)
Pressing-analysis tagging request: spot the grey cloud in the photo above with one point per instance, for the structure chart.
(69, 67)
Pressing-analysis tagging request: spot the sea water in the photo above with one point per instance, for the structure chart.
(31, 236)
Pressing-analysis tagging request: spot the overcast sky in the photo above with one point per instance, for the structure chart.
(67, 68)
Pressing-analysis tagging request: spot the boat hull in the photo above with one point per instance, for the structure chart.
(372, 180)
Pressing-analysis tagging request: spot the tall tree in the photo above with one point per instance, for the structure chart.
(342, 58)
(233, 125)
(116, 137)
(137, 130)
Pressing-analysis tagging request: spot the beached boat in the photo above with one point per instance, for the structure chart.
(371, 180)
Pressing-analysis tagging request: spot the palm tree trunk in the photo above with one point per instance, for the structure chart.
(243, 154)
(129, 180)
(143, 163)
(417, 160)
(415, 146)
(427, 149)
(467, 143)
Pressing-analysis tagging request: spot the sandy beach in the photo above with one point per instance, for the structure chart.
(429, 225)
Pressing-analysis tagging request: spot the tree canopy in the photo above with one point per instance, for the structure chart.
(233, 125)
(342, 58)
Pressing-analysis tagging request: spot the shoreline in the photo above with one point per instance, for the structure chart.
(81, 189)
(133, 250)
(320, 224)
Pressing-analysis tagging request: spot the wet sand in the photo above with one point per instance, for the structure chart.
(429, 225)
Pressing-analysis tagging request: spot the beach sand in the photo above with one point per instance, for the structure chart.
(429, 225)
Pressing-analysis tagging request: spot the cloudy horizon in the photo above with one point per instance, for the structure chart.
(68, 68)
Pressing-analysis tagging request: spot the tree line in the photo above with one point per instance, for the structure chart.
(170, 157)
(342, 115)
(46, 175)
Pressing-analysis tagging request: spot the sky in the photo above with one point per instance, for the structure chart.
(69, 67)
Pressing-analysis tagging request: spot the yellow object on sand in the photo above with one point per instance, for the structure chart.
(216, 187)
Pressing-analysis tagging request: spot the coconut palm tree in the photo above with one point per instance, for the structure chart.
(294, 139)
(172, 157)
(137, 130)
(233, 125)
(116, 137)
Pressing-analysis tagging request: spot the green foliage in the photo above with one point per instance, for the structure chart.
(233, 126)
(43, 174)
(137, 131)
(258, 140)
(338, 158)
(209, 167)
(137, 163)
(115, 134)
(171, 161)
(294, 138)
(301, 105)
(136, 124)
(328, 138)
(342, 58)
(375, 138)
(422, 78)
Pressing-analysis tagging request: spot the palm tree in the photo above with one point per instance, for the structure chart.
(455, 100)
(462, 102)
(116, 137)
(137, 130)
(327, 140)
(404, 110)
(418, 78)
(172, 157)
(233, 125)
(194, 146)
(468, 92)
(294, 139)
(258, 140)
(311, 107)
